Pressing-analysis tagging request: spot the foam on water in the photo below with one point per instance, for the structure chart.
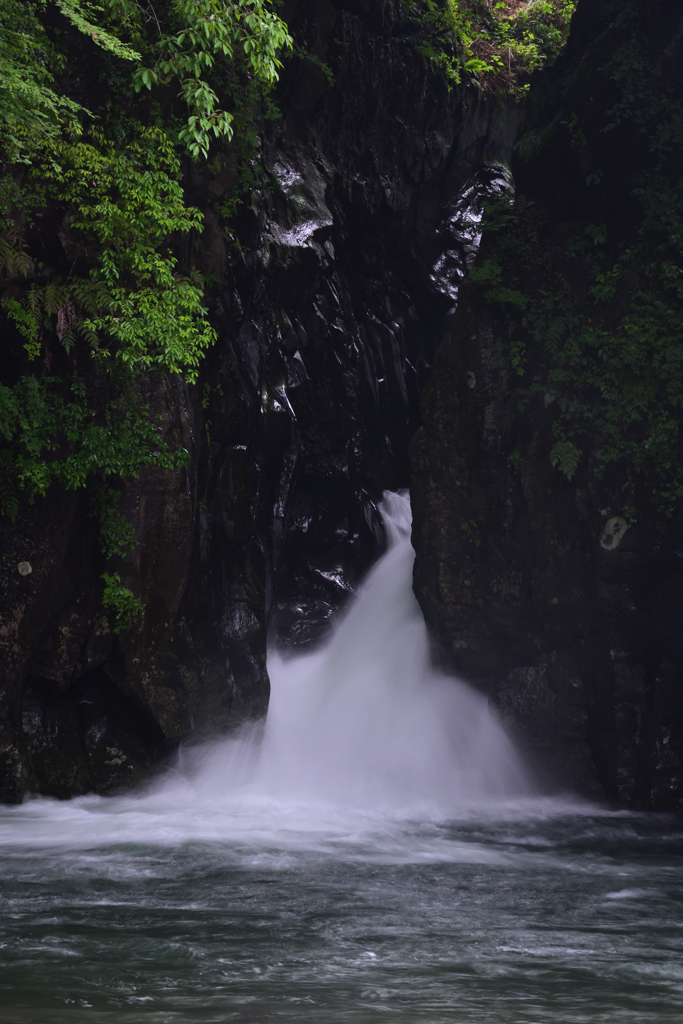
(367, 723)
(375, 853)
(361, 735)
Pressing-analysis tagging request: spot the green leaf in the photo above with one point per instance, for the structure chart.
(565, 456)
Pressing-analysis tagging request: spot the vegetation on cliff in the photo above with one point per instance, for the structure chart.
(102, 105)
(586, 266)
(106, 106)
(498, 43)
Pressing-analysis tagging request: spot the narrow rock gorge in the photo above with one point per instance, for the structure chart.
(335, 288)
(332, 282)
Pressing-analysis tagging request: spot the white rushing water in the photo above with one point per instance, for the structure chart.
(375, 853)
(360, 733)
(367, 723)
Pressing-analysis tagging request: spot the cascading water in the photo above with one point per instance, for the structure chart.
(363, 726)
(374, 853)
(366, 722)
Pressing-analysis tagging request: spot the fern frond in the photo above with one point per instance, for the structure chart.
(555, 334)
(90, 296)
(53, 298)
(89, 334)
(9, 502)
(14, 260)
(68, 339)
(565, 456)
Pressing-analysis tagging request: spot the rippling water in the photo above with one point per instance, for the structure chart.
(532, 914)
(377, 853)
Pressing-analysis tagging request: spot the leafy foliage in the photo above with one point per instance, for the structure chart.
(600, 332)
(116, 534)
(121, 603)
(56, 435)
(129, 200)
(32, 112)
(113, 177)
(499, 43)
(245, 32)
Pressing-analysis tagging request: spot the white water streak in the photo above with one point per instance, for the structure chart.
(367, 723)
(360, 734)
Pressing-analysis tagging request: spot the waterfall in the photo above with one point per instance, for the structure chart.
(365, 721)
(359, 733)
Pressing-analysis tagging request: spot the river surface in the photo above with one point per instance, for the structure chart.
(377, 853)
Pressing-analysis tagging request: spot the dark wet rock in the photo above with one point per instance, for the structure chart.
(507, 563)
(333, 278)
(67, 684)
(567, 614)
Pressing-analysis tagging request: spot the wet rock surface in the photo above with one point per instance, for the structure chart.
(331, 283)
(568, 614)
(569, 620)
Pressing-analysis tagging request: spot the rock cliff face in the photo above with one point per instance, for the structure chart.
(564, 605)
(336, 285)
(331, 284)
